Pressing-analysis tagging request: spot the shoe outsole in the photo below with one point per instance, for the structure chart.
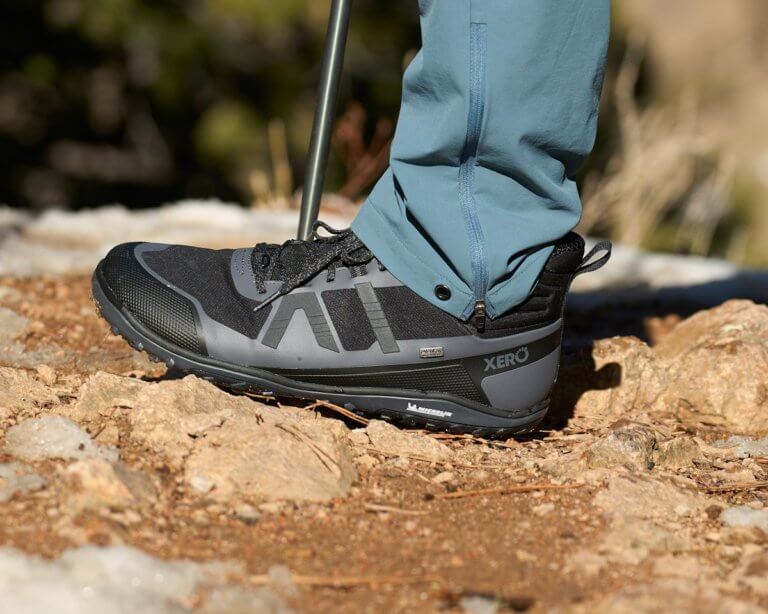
(124, 325)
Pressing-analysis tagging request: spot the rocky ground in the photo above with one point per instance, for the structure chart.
(123, 487)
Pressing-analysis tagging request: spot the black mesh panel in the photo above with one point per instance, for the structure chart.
(349, 319)
(205, 274)
(411, 317)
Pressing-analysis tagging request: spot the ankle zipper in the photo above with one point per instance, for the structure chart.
(478, 317)
(477, 67)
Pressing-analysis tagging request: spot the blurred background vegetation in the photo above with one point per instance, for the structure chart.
(147, 101)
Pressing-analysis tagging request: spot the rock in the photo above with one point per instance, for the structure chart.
(685, 566)
(388, 439)
(630, 445)
(97, 484)
(306, 460)
(19, 390)
(730, 345)
(17, 479)
(678, 453)
(644, 497)
(51, 436)
(631, 540)
(615, 380)
(46, 375)
(744, 447)
(103, 391)
(170, 416)
(93, 580)
(108, 436)
(12, 326)
(444, 477)
(669, 595)
(231, 447)
(743, 516)
(753, 573)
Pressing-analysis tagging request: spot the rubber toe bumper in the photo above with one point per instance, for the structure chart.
(130, 287)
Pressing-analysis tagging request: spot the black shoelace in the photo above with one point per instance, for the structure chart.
(294, 262)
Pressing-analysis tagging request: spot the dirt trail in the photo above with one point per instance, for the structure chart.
(636, 495)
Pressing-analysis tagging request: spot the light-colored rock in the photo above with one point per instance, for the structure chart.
(19, 389)
(390, 440)
(95, 484)
(103, 391)
(745, 447)
(669, 595)
(716, 367)
(743, 516)
(644, 497)
(308, 460)
(618, 379)
(123, 580)
(630, 445)
(170, 416)
(631, 540)
(678, 452)
(50, 436)
(15, 479)
(231, 447)
(12, 326)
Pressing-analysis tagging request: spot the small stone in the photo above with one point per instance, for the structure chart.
(543, 509)
(96, 485)
(12, 325)
(247, 513)
(389, 439)
(19, 390)
(50, 436)
(46, 375)
(201, 484)
(108, 436)
(17, 479)
(272, 507)
(744, 447)
(677, 453)
(743, 516)
(629, 445)
(444, 477)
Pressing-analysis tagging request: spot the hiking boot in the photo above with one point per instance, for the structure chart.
(324, 320)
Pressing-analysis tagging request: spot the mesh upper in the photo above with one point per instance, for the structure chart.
(205, 274)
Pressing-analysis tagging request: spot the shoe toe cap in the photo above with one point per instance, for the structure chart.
(132, 289)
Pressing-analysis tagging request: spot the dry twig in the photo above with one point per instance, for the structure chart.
(506, 490)
(389, 509)
(735, 487)
(347, 581)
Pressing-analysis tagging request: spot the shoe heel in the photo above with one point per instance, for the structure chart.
(520, 389)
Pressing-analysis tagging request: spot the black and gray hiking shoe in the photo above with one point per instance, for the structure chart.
(324, 320)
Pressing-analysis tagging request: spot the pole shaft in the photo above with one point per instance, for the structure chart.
(319, 147)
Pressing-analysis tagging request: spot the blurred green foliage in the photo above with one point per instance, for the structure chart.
(140, 101)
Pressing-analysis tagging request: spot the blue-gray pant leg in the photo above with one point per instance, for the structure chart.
(499, 110)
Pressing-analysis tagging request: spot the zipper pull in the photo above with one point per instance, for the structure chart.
(478, 317)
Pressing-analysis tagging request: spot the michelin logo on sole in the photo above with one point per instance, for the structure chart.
(428, 411)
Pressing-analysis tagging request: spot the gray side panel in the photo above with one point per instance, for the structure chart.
(523, 387)
(308, 303)
(376, 317)
(295, 353)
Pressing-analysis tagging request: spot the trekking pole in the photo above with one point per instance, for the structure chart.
(319, 146)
